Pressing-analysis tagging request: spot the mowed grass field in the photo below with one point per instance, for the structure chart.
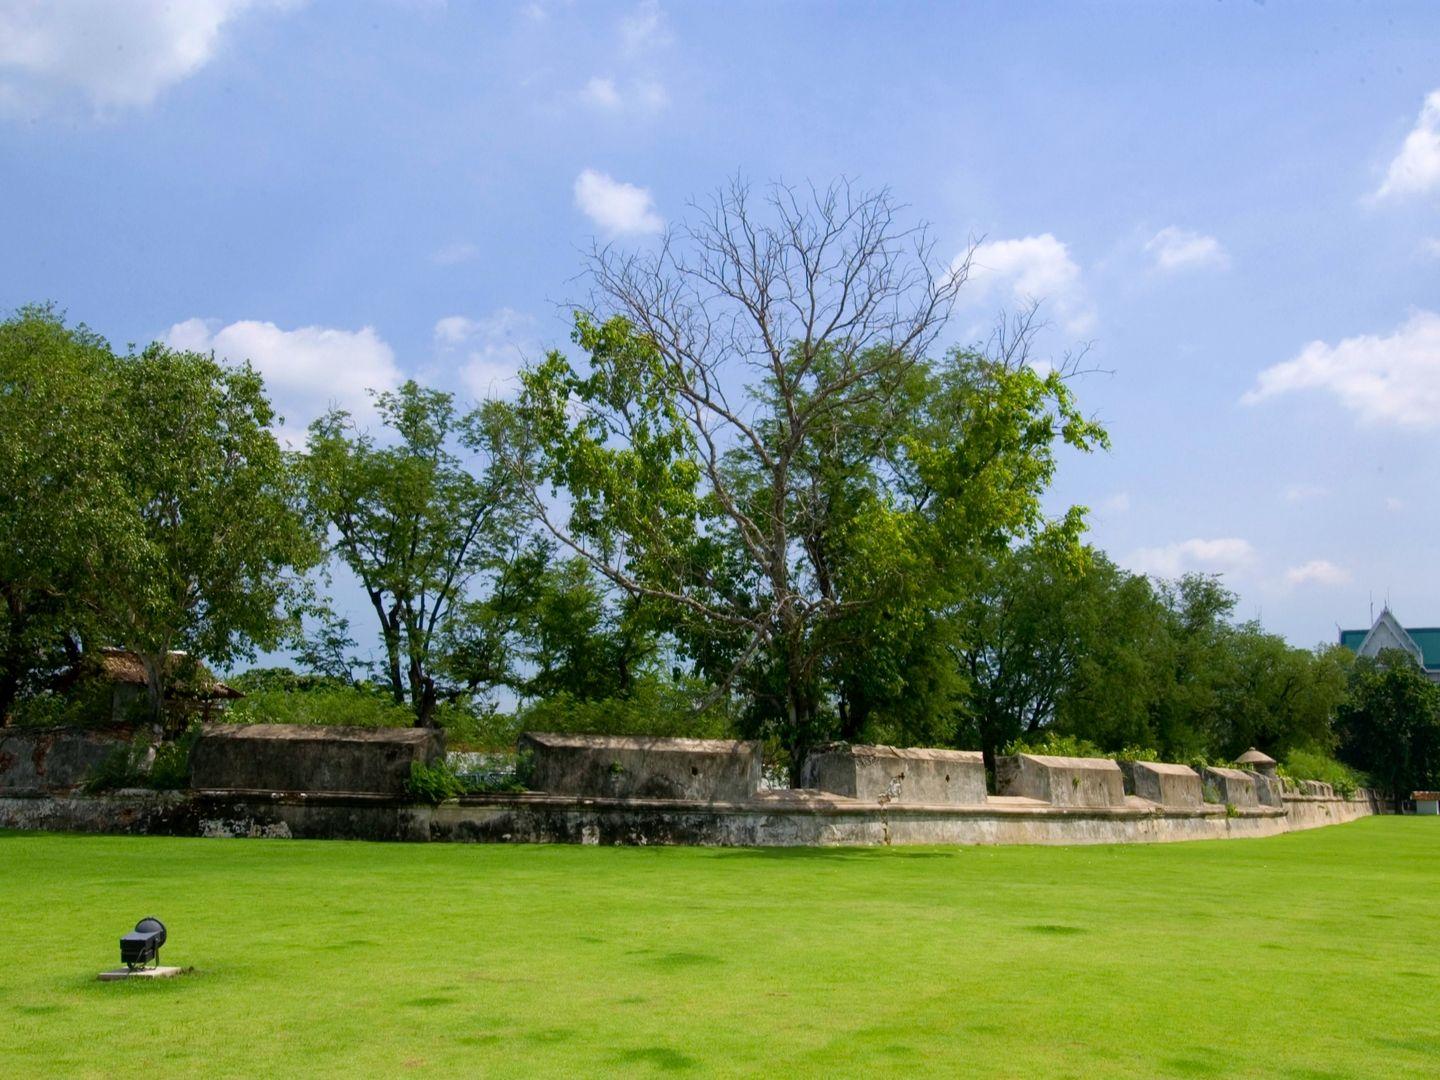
(1310, 955)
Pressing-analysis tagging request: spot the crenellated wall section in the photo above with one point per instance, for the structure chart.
(702, 792)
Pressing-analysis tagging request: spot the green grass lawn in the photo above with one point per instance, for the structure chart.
(1310, 955)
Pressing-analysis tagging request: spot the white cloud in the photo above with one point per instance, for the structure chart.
(1317, 572)
(1219, 555)
(307, 370)
(458, 252)
(1430, 246)
(488, 351)
(1394, 379)
(1393, 504)
(616, 208)
(1296, 493)
(637, 95)
(1416, 168)
(1032, 268)
(1119, 503)
(644, 30)
(601, 93)
(116, 53)
(1174, 248)
(453, 329)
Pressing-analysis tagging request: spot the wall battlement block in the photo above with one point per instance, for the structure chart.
(642, 767)
(1061, 781)
(1269, 790)
(1163, 783)
(54, 759)
(310, 758)
(890, 774)
(1234, 788)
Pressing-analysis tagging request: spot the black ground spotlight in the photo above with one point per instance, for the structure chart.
(142, 944)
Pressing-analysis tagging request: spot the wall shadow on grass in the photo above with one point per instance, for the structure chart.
(661, 1057)
(826, 854)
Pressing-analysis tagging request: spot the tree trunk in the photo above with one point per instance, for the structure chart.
(392, 655)
(13, 665)
(9, 691)
(390, 631)
(426, 701)
(155, 684)
(800, 711)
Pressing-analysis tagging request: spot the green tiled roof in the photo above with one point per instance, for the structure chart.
(1427, 637)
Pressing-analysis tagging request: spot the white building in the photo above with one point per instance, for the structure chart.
(1421, 642)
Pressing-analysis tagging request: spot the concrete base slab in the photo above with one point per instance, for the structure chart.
(120, 974)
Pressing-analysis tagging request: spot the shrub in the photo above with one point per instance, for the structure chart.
(476, 726)
(653, 708)
(435, 783)
(1136, 753)
(126, 766)
(1052, 744)
(1310, 764)
(348, 706)
(170, 770)
(86, 705)
(143, 763)
(283, 696)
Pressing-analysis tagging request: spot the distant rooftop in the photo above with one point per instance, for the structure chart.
(1426, 639)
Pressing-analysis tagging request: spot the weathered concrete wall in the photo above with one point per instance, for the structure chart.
(779, 820)
(1061, 781)
(315, 759)
(888, 774)
(1234, 788)
(54, 759)
(1313, 811)
(1160, 782)
(1316, 787)
(610, 766)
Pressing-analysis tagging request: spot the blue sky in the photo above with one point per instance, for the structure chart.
(1237, 204)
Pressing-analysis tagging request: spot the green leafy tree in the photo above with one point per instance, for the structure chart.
(408, 517)
(1277, 696)
(60, 456)
(1053, 645)
(206, 549)
(553, 626)
(762, 447)
(1055, 637)
(1194, 665)
(149, 505)
(1389, 724)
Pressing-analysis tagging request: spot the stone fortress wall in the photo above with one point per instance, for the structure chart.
(278, 781)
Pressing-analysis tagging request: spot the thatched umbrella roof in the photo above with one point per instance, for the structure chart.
(1254, 757)
(124, 666)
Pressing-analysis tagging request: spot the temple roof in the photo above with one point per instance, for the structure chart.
(1421, 641)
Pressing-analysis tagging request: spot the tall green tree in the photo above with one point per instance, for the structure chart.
(416, 526)
(553, 626)
(207, 549)
(1278, 696)
(60, 460)
(1087, 649)
(1389, 724)
(763, 447)
(1055, 637)
(148, 506)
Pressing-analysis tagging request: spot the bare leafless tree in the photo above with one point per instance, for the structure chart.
(773, 316)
